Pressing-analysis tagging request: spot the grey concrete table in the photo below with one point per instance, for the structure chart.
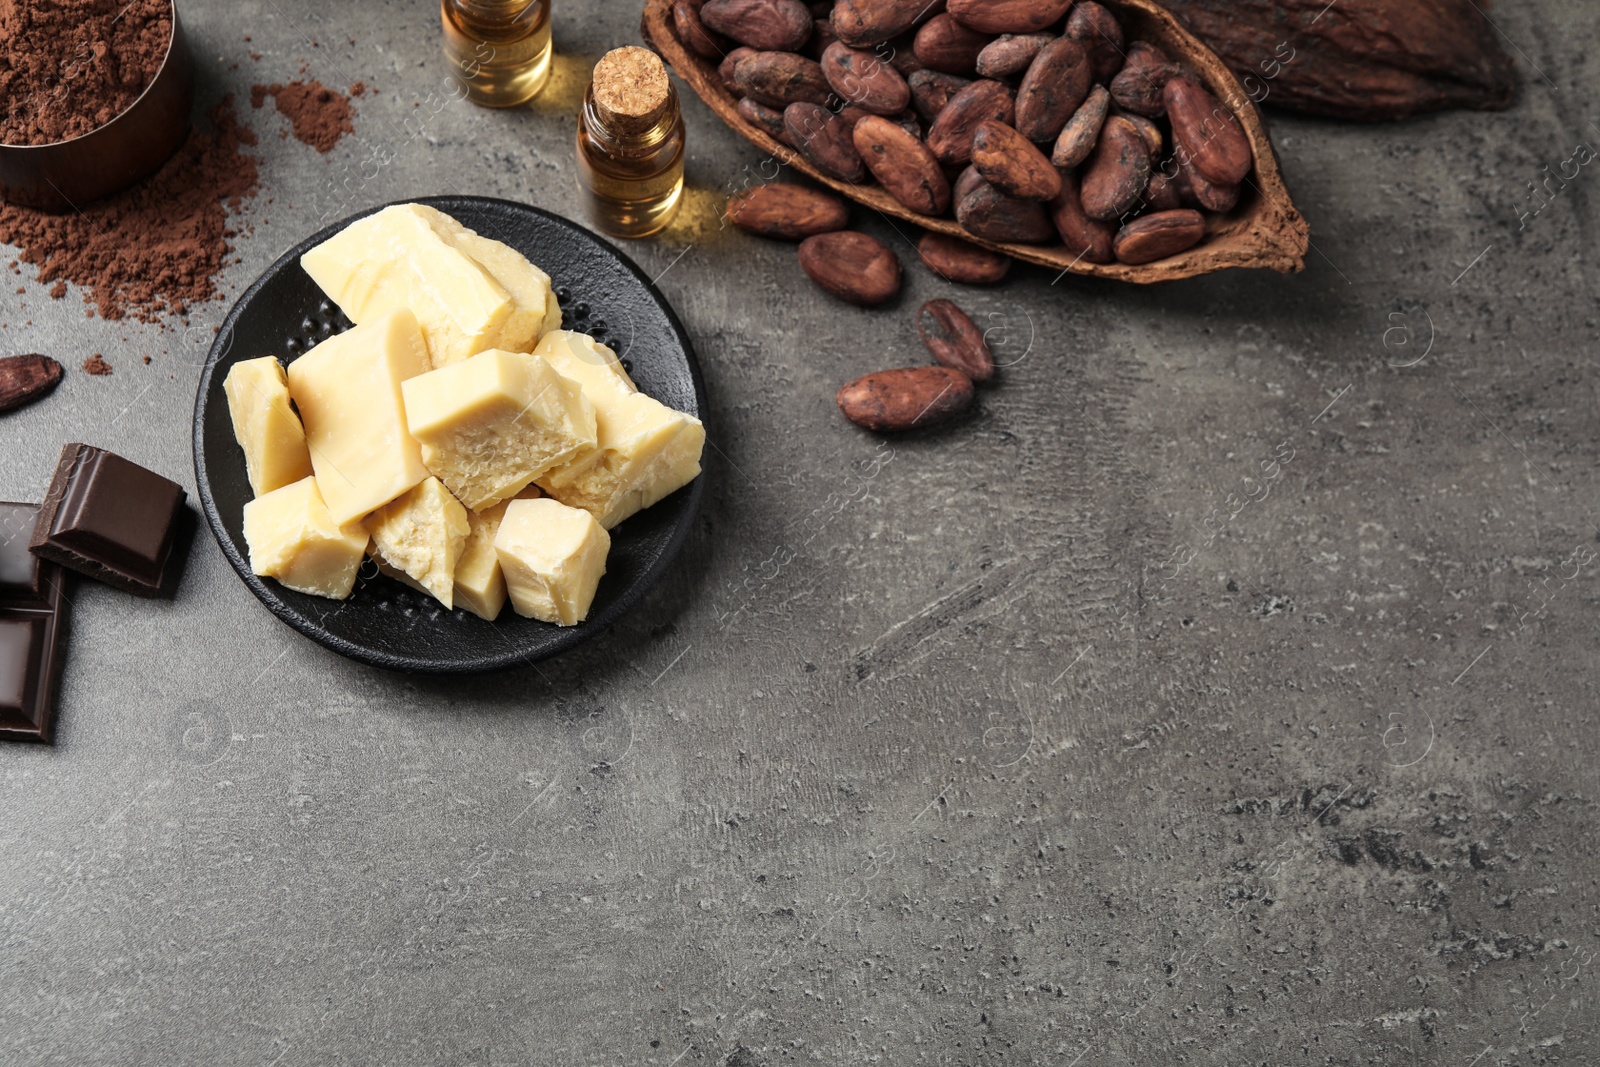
(1223, 693)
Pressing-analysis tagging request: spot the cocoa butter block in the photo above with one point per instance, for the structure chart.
(110, 519)
(33, 608)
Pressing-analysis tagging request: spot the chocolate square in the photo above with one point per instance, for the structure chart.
(19, 568)
(110, 519)
(33, 616)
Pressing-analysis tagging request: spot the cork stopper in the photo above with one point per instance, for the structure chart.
(631, 90)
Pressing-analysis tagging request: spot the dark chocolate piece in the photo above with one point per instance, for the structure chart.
(33, 606)
(110, 519)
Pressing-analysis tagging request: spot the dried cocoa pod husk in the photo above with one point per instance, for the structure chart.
(1367, 60)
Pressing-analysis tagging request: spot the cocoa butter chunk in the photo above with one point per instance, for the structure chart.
(552, 557)
(265, 425)
(419, 537)
(907, 398)
(294, 540)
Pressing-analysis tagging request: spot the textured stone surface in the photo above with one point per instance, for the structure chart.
(1010, 743)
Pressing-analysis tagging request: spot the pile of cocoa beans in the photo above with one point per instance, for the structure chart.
(1031, 121)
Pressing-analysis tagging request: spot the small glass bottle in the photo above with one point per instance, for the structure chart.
(630, 145)
(499, 50)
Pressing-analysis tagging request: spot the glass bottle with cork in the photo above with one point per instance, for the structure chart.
(630, 145)
(498, 50)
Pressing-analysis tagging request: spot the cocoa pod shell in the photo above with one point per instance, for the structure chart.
(1117, 172)
(1157, 236)
(1011, 53)
(824, 140)
(766, 119)
(988, 213)
(1206, 133)
(956, 260)
(944, 44)
(765, 25)
(1097, 29)
(955, 340)
(693, 32)
(903, 165)
(1085, 238)
(1138, 85)
(1082, 130)
(24, 379)
(854, 267)
(1378, 60)
(864, 80)
(1013, 164)
(863, 23)
(907, 398)
(779, 79)
(950, 136)
(1009, 16)
(932, 91)
(787, 211)
(1055, 86)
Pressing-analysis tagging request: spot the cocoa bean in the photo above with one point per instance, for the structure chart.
(1162, 193)
(1117, 172)
(730, 64)
(822, 35)
(779, 79)
(1082, 130)
(865, 80)
(1055, 86)
(902, 53)
(932, 90)
(1011, 53)
(24, 379)
(1084, 237)
(1009, 16)
(955, 340)
(988, 213)
(1011, 163)
(1138, 86)
(824, 140)
(693, 32)
(1152, 135)
(903, 165)
(957, 261)
(950, 136)
(1097, 29)
(906, 120)
(766, 119)
(863, 23)
(944, 44)
(852, 266)
(1153, 237)
(788, 212)
(1378, 60)
(1206, 133)
(1194, 190)
(966, 182)
(908, 398)
(765, 25)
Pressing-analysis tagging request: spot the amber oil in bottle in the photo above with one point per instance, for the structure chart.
(630, 145)
(498, 50)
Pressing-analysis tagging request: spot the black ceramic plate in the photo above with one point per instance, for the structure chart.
(386, 623)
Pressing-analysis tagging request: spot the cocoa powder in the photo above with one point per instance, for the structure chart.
(156, 248)
(319, 115)
(69, 66)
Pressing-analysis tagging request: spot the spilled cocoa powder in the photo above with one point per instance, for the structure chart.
(155, 249)
(68, 66)
(96, 365)
(319, 115)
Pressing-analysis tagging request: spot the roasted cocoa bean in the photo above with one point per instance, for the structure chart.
(864, 23)
(779, 79)
(1152, 135)
(932, 90)
(1117, 172)
(944, 44)
(765, 25)
(765, 119)
(824, 140)
(852, 266)
(1153, 237)
(967, 181)
(788, 212)
(1097, 29)
(24, 379)
(988, 213)
(1009, 16)
(865, 80)
(955, 340)
(1084, 237)
(908, 398)
(1162, 193)
(1196, 191)
(903, 166)
(693, 32)
(1054, 87)
(730, 64)
(1138, 86)
(1011, 54)
(1013, 164)
(958, 261)
(1206, 132)
(1078, 137)
(906, 120)
(950, 137)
